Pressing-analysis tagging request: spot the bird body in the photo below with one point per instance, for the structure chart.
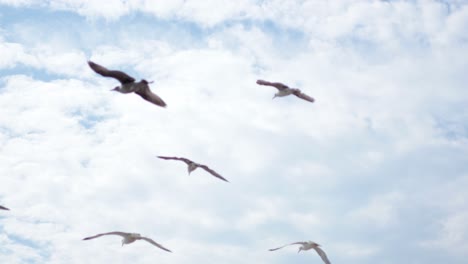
(3, 208)
(128, 84)
(128, 238)
(191, 166)
(307, 246)
(132, 237)
(132, 87)
(284, 90)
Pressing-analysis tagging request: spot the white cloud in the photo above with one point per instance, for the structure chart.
(354, 250)
(14, 53)
(202, 11)
(42, 58)
(381, 211)
(111, 9)
(164, 9)
(455, 31)
(452, 235)
(17, 3)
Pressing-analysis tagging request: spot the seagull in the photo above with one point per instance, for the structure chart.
(306, 246)
(193, 165)
(129, 238)
(284, 90)
(3, 208)
(128, 84)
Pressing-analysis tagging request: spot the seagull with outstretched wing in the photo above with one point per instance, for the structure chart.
(306, 246)
(193, 165)
(128, 84)
(128, 238)
(284, 90)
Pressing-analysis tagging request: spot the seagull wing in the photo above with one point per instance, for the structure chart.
(214, 173)
(277, 85)
(322, 255)
(295, 243)
(149, 240)
(150, 96)
(304, 96)
(3, 208)
(122, 234)
(121, 76)
(176, 158)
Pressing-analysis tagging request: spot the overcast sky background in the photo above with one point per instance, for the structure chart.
(375, 170)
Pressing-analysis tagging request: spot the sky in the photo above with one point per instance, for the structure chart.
(375, 170)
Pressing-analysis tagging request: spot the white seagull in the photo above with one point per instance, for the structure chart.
(128, 84)
(306, 246)
(284, 90)
(193, 165)
(3, 208)
(129, 238)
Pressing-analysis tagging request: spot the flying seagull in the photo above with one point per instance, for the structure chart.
(129, 238)
(284, 90)
(3, 208)
(193, 165)
(306, 246)
(128, 84)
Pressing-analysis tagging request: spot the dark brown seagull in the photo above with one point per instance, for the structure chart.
(128, 84)
(193, 165)
(306, 246)
(128, 238)
(284, 90)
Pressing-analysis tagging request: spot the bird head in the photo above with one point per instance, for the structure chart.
(146, 82)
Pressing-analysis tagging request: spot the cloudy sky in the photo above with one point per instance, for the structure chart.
(375, 170)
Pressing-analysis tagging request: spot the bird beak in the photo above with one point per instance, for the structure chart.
(114, 89)
(273, 97)
(299, 250)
